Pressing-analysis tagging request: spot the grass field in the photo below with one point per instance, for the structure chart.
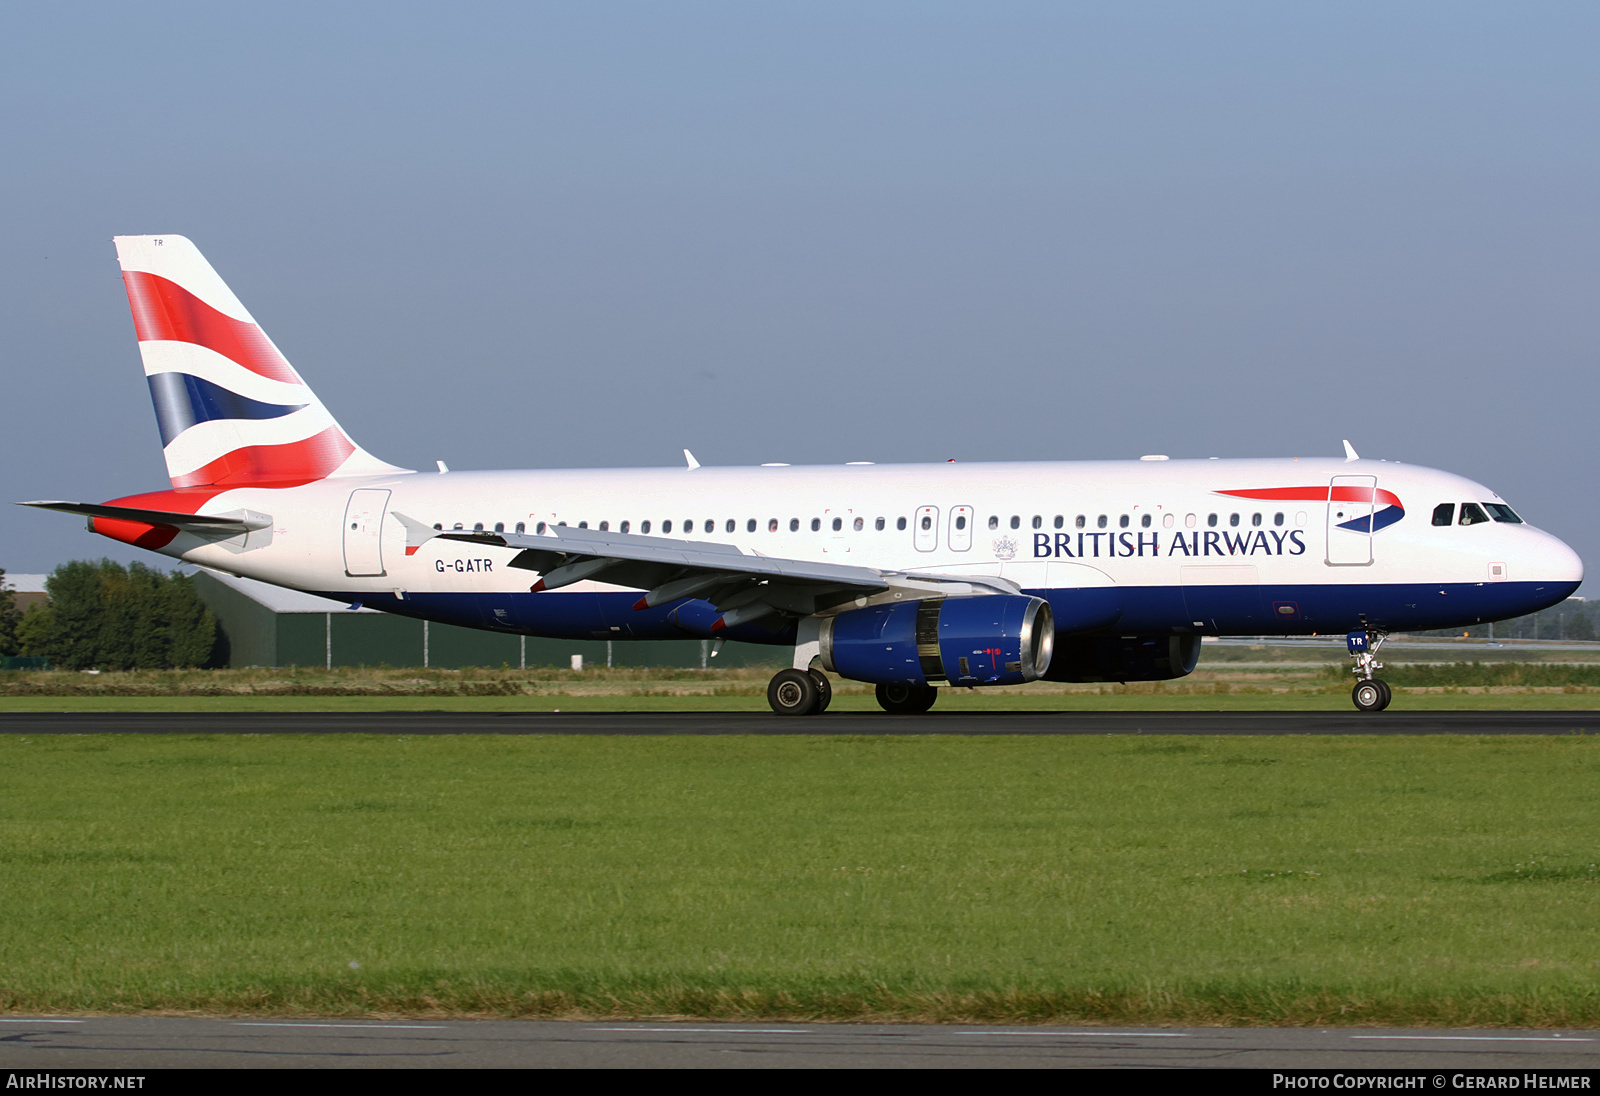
(1234, 685)
(1011, 879)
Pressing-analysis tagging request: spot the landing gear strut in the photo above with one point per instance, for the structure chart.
(1369, 694)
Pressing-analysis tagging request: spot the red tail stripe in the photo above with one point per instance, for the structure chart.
(302, 461)
(1318, 494)
(143, 535)
(164, 310)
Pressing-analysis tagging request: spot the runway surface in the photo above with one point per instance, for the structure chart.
(130, 1044)
(831, 723)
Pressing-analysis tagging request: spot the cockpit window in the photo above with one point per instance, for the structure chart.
(1501, 512)
(1444, 514)
(1472, 514)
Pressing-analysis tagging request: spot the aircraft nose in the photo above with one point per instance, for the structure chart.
(1549, 559)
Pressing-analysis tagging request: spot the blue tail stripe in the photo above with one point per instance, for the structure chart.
(182, 400)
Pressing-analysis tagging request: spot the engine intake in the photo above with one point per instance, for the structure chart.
(991, 640)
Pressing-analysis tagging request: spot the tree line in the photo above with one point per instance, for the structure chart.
(104, 616)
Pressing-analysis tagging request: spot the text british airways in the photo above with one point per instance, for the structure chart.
(1209, 542)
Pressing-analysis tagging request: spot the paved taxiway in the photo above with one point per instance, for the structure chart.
(829, 723)
(134, 1043)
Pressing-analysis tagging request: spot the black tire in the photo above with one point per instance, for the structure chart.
(824, 691)
(904, 699)
(1388, 693)
(1369, 695)
(792, 692)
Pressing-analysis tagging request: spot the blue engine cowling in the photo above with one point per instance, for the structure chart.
(992, 640)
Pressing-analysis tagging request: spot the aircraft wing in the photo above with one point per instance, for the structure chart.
(742, 585)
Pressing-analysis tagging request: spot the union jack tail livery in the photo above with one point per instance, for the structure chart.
(231, 409)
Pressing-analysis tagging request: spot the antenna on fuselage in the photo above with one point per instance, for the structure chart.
(688, 456)
(1350, 453)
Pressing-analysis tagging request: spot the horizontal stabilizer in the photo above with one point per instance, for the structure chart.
(224, 525)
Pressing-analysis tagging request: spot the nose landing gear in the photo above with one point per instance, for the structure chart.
(1369, 694)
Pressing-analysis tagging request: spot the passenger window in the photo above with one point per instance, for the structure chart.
(581, 525)
(644, 526)
(477, 527)
(1472, 514)
(860, 524)
(1038, 522)
(1101, 521)
(1190, 521)
(1277, 519)
(521, 527)
(927, 523)
(1016, 522)
(623, 528)
(1233, 519)
(605, 527)
(1169, 520)
(666, 526)
(772, 525)
(900, 524)
(1144, 522)
(1123, 521)
(1211, 520)
(727, 528)
(994, 521)
(878, 525)
(539, 529)
(1255, 520)
(499, 526)
(961, 521)
(750, 526)
(1060, 521)
(1080, 521)
(1444, 514)
(838, 523)
(794, 525)
(711, 525)
(816, 524)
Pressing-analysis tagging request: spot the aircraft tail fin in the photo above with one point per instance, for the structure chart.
(231, 409)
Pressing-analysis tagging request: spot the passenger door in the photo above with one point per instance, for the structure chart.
(1351, 502)
(363, 532)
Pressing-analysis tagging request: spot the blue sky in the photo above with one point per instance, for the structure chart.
(544, 235)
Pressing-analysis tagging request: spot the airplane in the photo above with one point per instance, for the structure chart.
(910, 577)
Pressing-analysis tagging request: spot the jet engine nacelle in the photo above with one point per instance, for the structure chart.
(1123, 658)
(991, 640)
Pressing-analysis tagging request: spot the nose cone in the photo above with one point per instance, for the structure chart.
(1555, 561)
(1551, 565)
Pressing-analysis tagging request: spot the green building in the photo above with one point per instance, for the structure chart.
(265, 625)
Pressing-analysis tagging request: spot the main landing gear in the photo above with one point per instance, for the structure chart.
(799, 692)
(1369, 694)
(901, 699)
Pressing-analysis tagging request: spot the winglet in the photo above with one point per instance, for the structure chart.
(1350, 453)
(688, 456)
